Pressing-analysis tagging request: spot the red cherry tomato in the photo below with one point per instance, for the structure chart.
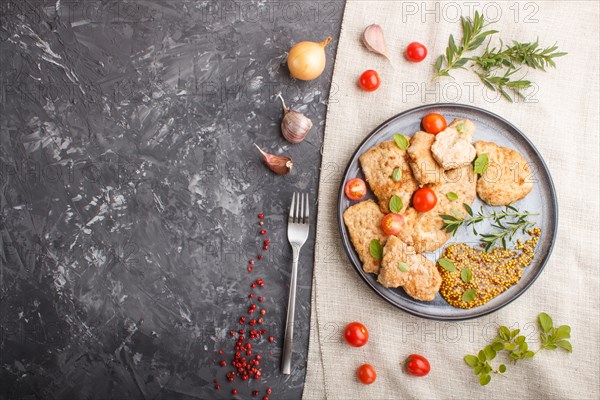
(434, 123)
(355, 189)
(416, 52)
(392, 224)
(366, 374)
(356, 334)
(424, 199)
(417, 365)
(369, 80)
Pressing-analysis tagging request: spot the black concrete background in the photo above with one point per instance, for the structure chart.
(130, 190)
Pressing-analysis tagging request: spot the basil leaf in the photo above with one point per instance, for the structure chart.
(481, 355)
(471, 361)
(401, 141)
(466, 275)
(545, 322)
(402, 266)
(395, 205)
(490, 353)
(452, 196)
(504, 333)
(484, 379)
(565, 344)
(447, 264)
(397, 174)
(469, 295)
(376, 249)
(562, 332)
(461, 128)
(481, 164)
(498, 346)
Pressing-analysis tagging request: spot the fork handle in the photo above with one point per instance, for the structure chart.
(286, 360)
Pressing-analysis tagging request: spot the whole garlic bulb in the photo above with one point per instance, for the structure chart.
(295, 125)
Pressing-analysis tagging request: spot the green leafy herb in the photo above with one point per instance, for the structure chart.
(516, 348)
(395, 204)
(461, 128)
(402, 266)
(473, 37)
(447, 264)
(376, 249)
(401, 141)
(481, 164)
(466, 275)
(507, 223)
(497, 66)
(452, 196)
(397, 174)
(469, 295)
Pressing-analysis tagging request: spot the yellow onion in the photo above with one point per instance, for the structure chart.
(306, 60)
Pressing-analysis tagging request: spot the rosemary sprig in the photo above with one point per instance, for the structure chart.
(511, 59)
(507, 222)
(497, 66)
(473, 37)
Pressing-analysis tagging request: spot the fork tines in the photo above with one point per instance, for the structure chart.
(299, 209)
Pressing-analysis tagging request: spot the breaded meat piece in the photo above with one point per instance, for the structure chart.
(423, 230)
(363, 221)
(451, 149)
(378, 164)
(465, 127)
(421, 281)
(508, 177)
(423, 165)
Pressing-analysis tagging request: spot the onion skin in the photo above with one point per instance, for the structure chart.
(306, 60)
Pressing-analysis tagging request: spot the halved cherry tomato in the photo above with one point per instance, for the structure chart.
(392, 224)
(366, 374)
(424, 199)
(369, 80)
(355, 189)
(434, 123)
(356, 334)
(416, 52)
(417, 365)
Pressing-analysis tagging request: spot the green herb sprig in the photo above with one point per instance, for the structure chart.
(497, 66)
(473, 37)
(517, 348)
(507, 222)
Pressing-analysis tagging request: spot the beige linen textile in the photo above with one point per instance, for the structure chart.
(561, 119)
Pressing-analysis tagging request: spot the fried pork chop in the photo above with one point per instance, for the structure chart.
(421, 280)
(363, 221)
(423, 165)
(378, 164)
(508, 177)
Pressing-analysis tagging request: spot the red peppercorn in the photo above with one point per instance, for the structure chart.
(251, 296)
(263, 311)
(248, 352)
(251, 262)
(217, 386)
(258, 357)
(255, 393)
(253, 285)
(232, 333)
(269, 391)
(234, 391)
(260, 257)
(250, 269)
(265, 247)
(271, 339)
(267, 242)
(223, 363)
(242, 320)
(261, 298)
(263, 232)
(260, 320)
(261, 215)
(266, 398)
(263, 331)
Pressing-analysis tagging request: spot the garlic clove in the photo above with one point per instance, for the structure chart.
(281, 165)
(373, 40)
(294, 125)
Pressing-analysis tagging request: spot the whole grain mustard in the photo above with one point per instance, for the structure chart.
(492, 273)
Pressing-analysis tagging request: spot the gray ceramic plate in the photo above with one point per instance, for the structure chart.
(542, 199)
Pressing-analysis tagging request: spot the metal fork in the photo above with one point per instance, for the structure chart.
(297, 234)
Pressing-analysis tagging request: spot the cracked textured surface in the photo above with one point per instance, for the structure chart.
(131, 187)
